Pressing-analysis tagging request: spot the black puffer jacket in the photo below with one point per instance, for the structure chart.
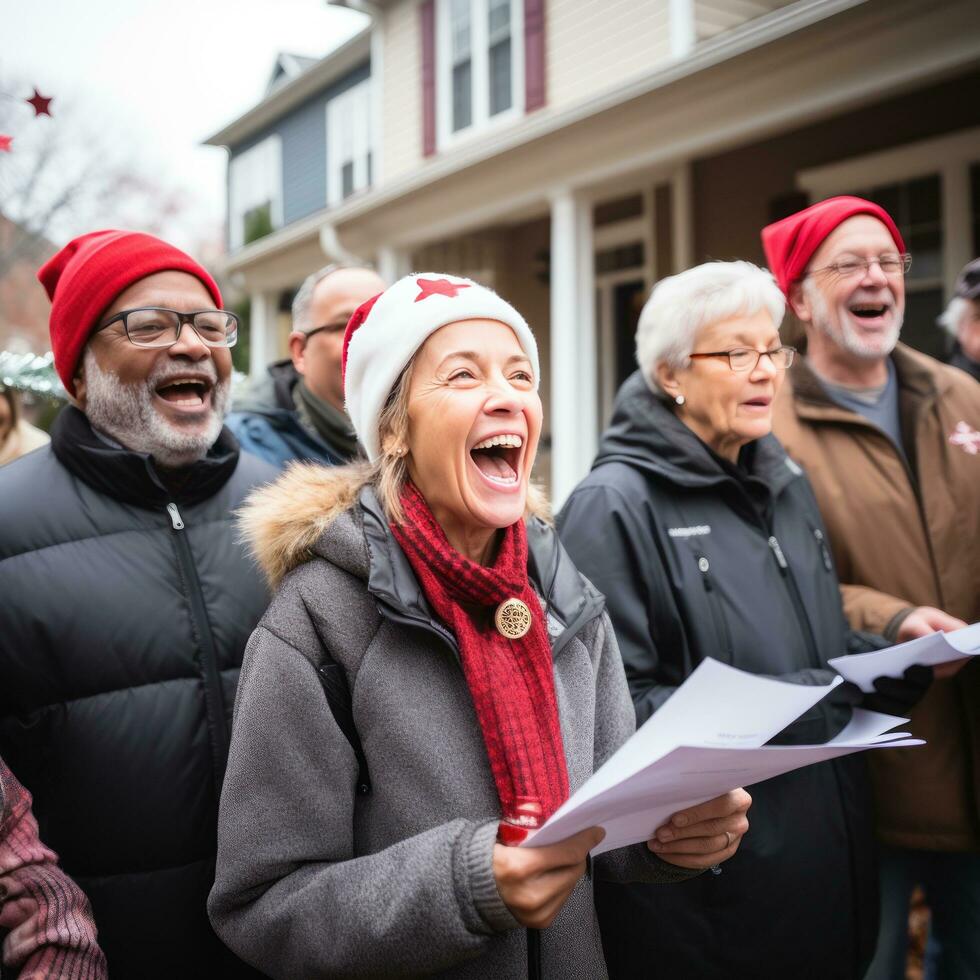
(122, 629)
(696, 559)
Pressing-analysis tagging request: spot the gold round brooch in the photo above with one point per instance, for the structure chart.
(512, 619)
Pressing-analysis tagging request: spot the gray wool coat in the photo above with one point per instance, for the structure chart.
(315, 880)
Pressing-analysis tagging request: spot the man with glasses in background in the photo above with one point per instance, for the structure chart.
(127, 599)
(297, 410)
(884, 433)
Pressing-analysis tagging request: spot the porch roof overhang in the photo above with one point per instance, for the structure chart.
(802, 63)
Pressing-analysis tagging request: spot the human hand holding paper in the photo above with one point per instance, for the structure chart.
(703, 836)
(707, 739)
(934, 649)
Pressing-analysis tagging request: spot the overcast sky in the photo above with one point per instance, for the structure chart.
(163, 75)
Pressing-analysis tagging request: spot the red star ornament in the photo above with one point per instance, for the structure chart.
(5, 142)
(438, 287)
(40, 104)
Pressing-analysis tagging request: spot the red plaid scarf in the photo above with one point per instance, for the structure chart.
(511, 682)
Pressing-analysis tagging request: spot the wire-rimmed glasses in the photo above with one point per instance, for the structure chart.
(741, 359)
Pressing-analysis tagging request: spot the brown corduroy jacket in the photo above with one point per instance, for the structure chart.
(906, 534)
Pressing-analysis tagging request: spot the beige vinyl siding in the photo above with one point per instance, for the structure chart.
(402, 97)
(593, 45)
(712, 17)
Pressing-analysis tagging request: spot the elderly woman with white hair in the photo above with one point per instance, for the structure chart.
(706, 539)
(431, 681)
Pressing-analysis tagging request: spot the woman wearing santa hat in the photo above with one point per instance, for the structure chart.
(366, 834)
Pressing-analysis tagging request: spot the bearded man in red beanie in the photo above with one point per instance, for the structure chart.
(127, 601)
(889, 439)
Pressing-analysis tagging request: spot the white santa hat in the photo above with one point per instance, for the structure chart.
(385, 332)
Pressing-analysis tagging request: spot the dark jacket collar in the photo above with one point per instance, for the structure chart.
(570, 598)
(647, 435)
(131, 477)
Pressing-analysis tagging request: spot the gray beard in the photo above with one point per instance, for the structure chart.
(126, 413)
(842, 334)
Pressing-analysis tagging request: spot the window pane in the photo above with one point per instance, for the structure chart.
(347, 179)
(500, 87)
(621, 209)
(459, 21)
(619, 257)
(257, 223)
(919, 328)
(498, 20)
(916, 206)
(462, 96)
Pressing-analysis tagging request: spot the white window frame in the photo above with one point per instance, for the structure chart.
(481, 120)
(357, 103)
(948, 156)
(267, 155)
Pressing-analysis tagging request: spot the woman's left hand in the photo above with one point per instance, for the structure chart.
(704, 835)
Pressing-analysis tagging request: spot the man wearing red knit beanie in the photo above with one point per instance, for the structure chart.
(882, 431)
(127, 600)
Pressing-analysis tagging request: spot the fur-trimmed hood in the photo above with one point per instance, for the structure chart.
(285, 523)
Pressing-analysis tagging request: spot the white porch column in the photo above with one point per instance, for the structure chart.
(262, 337)
(574, 398)
(392, 263)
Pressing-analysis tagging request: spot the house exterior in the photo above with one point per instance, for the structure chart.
(569, 153)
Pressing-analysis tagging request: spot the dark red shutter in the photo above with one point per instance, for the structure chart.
(534, 93)
(427, 12)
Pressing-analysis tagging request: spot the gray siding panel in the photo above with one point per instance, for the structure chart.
(304, 160)
(303, 132)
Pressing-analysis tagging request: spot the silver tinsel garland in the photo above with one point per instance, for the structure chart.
(31, 372)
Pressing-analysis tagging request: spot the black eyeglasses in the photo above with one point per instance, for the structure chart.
(893, 264)
(327, 328)
(156, 326)
(741, 359)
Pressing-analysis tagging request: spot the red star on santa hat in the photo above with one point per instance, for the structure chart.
(40, 103)
(5, 142)
(438, 287)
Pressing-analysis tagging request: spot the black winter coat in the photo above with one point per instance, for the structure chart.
(699, 558)
(125, 613)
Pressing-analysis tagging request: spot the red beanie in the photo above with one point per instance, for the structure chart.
(790, 243)
(85, 277)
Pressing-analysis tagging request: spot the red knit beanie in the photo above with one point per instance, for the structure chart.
(790, 243)
(85, 277)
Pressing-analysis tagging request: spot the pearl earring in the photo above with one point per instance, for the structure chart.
(680, 399)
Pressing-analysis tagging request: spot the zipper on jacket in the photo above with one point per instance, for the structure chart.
(717, 613)
(796, 599)
(213, 699)
(533, 954)
(824, 551)
(778, 554)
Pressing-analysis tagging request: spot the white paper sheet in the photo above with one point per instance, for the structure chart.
(931, 650)
(707, 739)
